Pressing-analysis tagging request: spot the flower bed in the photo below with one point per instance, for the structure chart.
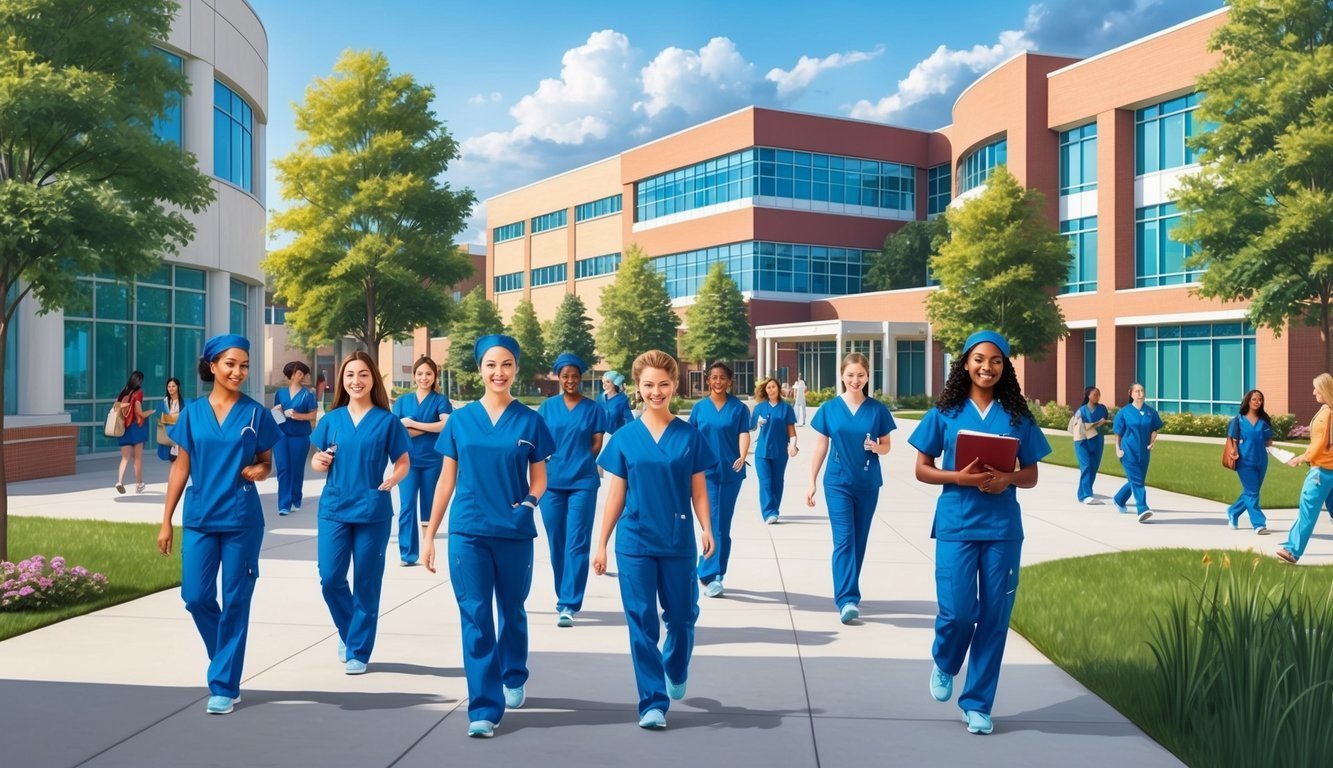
(34, 584)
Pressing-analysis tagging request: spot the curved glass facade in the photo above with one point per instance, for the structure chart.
(974, 169)
(233, 138)
(758, 265)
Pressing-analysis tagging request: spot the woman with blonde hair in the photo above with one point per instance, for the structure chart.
(1318, 487)
(776, 442)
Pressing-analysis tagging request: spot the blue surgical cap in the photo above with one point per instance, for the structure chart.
(495, 340)
(568, 358)
(983, 336)
(219, 344)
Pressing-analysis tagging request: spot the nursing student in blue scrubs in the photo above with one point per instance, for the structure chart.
(495, 451)
(1253, 431)
(657, 467)
(856, 428)
(423, 413)
(289, 455)
(1089, 449)
(614, 402)
(355, 441)
(724, 421)
(978, 527)
(776, 442)
(1135, 428)
(224, 446)
(570, 502)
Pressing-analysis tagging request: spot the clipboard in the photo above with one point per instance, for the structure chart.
(998, 451)
(278, 415)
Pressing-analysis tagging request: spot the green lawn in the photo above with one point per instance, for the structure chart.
(1094, 617)
(125, 552)
(1192, 468)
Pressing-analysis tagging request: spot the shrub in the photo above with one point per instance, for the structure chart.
(1293, 431)
(817, 397)
(33, 584)
(1052, 415)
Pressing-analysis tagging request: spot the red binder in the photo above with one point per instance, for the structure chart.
(998, 451)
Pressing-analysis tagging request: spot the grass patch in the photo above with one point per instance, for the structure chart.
(125, 552)
(1194, 469)
(1097, 617)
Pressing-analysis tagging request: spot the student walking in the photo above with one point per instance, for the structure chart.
(423, 413)
(170, 414)
(130, 403)
(1089, 450)
(1135, 428)
(298, 406)
(774, 444)
(1253, 432)
(724, 422)
(1318, 488)
(614, 402)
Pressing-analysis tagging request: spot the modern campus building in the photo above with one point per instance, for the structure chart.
(793, 203)
(55, 403)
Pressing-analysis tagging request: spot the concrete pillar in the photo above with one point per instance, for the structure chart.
(218, 319)
(40, 364)
(890, 386)
(197, 113)
(930, 361)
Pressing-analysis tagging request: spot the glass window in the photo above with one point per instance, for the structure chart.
(233, 138)
(767, 266)
(1090, 357)
(596, 265)
(598, 208)
(1161, 134)
(555, 273)
(1078, 159)
(976, 168)
(507, 232)
(152, 305)
(111, 359)
(1197, 368)
(552, 220)
(189, 308)
(113, 301)
(938, 189)
(1159, 259)
(237, 320)
(911, 361)
(194, 279)
(167, 126)
(1082, 237)
(508, 282)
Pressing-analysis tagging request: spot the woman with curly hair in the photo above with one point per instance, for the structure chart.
(1253, 432)
(978, 527)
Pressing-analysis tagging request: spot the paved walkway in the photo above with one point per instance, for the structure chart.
(776, 679)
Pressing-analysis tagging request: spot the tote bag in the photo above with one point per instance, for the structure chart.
(115, 422)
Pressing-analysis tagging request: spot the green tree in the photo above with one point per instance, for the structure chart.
(1260, 211)
(718, 323)
(1000, 269)
(636, 313)
(372, 253)
(524, 326)
(475, 317)
(905, 258)
(571, 330)
(85, 185)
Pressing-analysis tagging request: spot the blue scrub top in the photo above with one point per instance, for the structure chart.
(1135, 429)
(426, 411)
(352, 490)
(771, 442)
(1254, 439)
(302, 402)
(617, 410)
(722, 428)
(657, 520)
(1090, 415)
(964, 513)
(573, 466)
(850, 464)
(218, 498)
(493, 464)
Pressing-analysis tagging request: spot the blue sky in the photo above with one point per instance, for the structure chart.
(535, 88)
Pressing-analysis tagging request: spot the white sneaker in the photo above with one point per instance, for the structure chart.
(1091, 501)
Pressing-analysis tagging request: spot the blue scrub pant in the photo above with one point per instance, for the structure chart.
(485, 569)
(850, 512)
(289, 457)
(224, 628)
(418, 484)
(644, 581)
(722, 506)
(975, 585)
(1089, 454)
(1251, 480)
(355, 611)
(771, 475)
(567, 516)
(1315, 493)
(1135, 483)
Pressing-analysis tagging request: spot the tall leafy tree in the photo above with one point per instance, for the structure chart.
(636, 313)
(85, 185)
(1000, 269)
(476, 316)
(717, 324)
(571, 330)
(524, 326)
(372, 225)
(904, 260)
(1260, 211)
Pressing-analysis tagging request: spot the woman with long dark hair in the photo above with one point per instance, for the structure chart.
(297, 404)
(171, 409)
(130, 403)
(1253, 432)
(774, 444)
(724, 423)
(1089, 449)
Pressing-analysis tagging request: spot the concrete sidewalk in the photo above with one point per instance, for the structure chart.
(776, 679)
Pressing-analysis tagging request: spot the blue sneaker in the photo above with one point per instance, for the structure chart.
(654, 719)
(849, 613)
(356, 667)
(941, 684)
(565, 619)
(978, 722)
(1121, 508)
(481, 729)
(514, 697)
(342, 652)
(675, 690)
(1234, 522)
(220, 705)
(714, 588)
(284, 512)
(1144, 515)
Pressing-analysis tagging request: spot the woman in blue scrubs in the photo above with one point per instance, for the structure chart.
(614, 402)
(978, 526)
(423, 413)
(657, 466)
(1089, 449)
(298, 408)
(776, 422)
(224, 445)
(495, 451)
(355, 441)
(857, 428)
(723, 420)
(1135, 428)
(576, 424)
(1253, 430)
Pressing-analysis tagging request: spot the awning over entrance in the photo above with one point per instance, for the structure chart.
(878, 341)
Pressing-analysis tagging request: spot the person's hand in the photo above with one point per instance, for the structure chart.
(1150, 445)
(1235, 455)
(738, 464)
(706, 544)
(599, 561)
(164, 538)
(1295, 461)
(792, 450)
(388, 484)
(870, 445)
(810, 496)
(996, 481)
(1120, 453)
(428, 553)
(255, 472)
(322, 460)
(972, 475)
(406, 422)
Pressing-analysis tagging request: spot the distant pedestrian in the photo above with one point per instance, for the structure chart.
(774, 444)
(423, 413)
(614, 402)
(1318, 488)
(1135, 426)
(724, 423)
(130, 403)
(798, 400)
(1089, 449)
(171, 408)
(298, 405)
(1252, 430)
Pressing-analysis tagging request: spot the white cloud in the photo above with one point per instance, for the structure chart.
(808, 68)
(486, 98)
